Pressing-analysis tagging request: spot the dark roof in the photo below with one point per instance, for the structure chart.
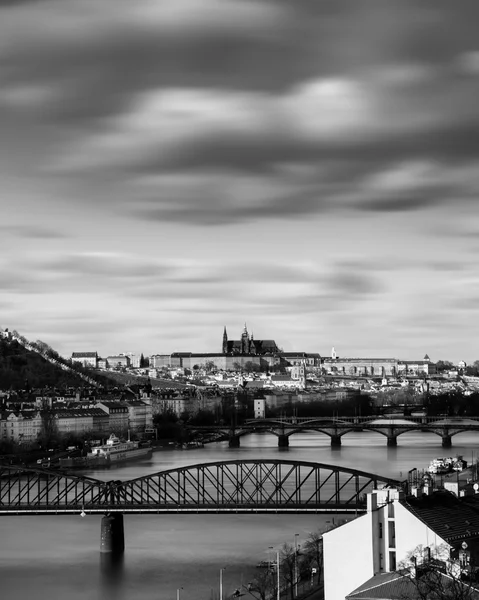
(399, 586)
(452, 518)
(384, 585)
(84, 354)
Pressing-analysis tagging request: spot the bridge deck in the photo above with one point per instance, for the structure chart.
(249, 486)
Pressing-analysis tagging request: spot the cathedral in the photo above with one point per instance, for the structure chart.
(248, 345)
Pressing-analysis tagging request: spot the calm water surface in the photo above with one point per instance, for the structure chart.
(45, 557)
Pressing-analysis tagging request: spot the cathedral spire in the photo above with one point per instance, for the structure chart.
(225, 341)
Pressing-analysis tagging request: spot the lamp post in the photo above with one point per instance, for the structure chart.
(296, 564)
(178, 593)
(221, 583)
(278, 593)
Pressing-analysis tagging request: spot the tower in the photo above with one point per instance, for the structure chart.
(245, 341)
(252, 347)
(225, 342)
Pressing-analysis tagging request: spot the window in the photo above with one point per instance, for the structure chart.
(392, 561)
(380, 531)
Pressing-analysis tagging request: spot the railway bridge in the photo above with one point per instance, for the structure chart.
(337, 427)
(234, 486)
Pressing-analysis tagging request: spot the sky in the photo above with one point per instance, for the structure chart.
(171, 167)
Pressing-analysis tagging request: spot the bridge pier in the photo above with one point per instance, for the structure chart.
(446, 441)
(112, 534)
(283, 441)
(392, 441)
(234, 441)
(335, 441)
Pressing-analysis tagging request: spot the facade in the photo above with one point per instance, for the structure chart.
(377, 367)
(139, 415)
(366, 367)
(247, 345)
(308, 359)
(177, 405)
(87, 359)
(160, 360)
(416, 367)
(118, 415)
(20, 426)
(391, 531)
(222, 362)
(259, 408)
(120, 360)
(77, 421)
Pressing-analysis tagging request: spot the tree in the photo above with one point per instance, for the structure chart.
(431, 573)
(313, 553)
(251, 367)
(210, 366)
(444, 365)
(263, 586)
(289, 567)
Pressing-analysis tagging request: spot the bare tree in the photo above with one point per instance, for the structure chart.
(432, 574)
(263, 586)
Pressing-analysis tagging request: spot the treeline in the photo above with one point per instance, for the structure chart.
(21, 368)
(453, 404)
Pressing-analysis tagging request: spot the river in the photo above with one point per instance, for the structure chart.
(57, 557)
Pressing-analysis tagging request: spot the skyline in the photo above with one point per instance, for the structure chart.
(171, 167)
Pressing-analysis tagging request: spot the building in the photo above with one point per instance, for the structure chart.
(139, 415)
(87, 359)
(247, 345)
(20, 426)
(392, 530)
(416, 367)
(309, 359)
(259, 408)
(120, 360)
(118, 415)
(160, 360)
(222, 362)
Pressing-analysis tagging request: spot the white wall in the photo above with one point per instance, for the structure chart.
(348, 558)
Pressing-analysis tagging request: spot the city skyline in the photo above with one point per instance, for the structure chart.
(171, 167)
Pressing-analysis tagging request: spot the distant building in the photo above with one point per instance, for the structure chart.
(247, 345)
(259, 408)
(120, 360)
(139, 415)
(160, 360)
(377, 367)
(87, 359)
(118, 414)
(309, 359)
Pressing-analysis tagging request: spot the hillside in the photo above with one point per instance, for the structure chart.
(21, 366)
(130, 379)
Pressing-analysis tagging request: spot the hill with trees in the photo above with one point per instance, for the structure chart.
(24, 366)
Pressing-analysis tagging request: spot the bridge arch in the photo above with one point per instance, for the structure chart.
(271, 485)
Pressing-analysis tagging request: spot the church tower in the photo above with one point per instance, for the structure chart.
(252, 347)
(245, 341)
(225, 342)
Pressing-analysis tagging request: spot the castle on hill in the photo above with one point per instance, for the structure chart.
(248, 345)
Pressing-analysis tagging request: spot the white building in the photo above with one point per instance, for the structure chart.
(87, 359)
(259, 408)
(393, 527)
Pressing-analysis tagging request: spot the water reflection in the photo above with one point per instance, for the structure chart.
(111, 574)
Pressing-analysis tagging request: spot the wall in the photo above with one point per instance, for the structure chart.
(348, 560)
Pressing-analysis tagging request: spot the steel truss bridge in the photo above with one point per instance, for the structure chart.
(390, 427)
(234, 486)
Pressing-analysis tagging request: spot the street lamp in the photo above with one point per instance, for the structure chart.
(278, 593)
(178, 593)
(221, 582)
(296, 564)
